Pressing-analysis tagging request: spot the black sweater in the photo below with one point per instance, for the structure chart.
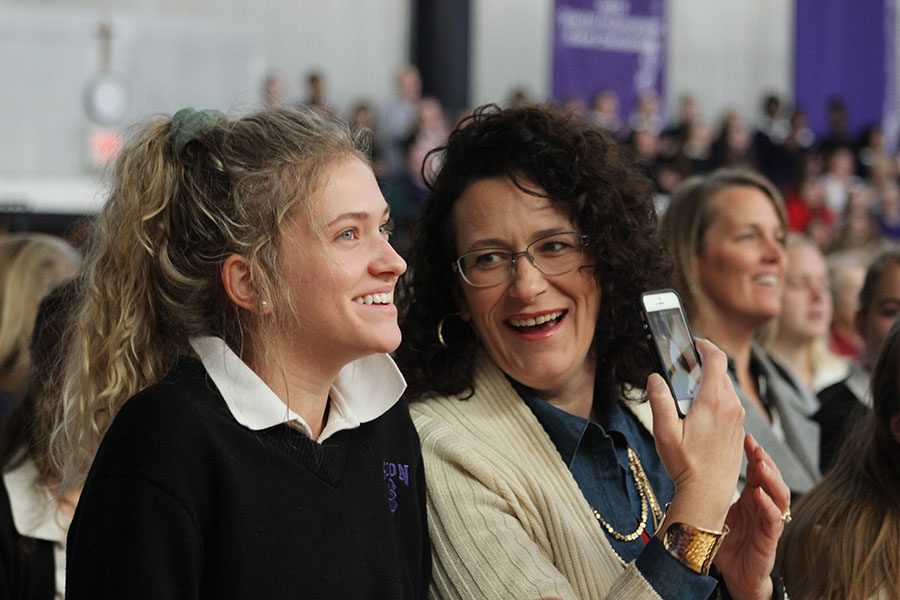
(27, 566)
(184, 502)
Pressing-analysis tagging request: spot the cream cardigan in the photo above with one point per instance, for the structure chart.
(506, 517)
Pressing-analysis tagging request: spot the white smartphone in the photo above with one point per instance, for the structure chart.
(669, 334)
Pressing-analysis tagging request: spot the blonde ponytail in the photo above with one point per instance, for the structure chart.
(177, 209)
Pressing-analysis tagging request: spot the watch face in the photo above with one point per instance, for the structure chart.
(106, 98)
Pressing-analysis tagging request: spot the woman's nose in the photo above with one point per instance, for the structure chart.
(389, 261)
(526, 280)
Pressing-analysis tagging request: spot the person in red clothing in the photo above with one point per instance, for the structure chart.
(806, 207)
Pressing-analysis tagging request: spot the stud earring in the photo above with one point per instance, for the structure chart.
(264, 304)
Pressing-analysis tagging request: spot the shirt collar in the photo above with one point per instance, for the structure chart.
(364, 390)
(859, 383)
(567, 430)
(32, 506)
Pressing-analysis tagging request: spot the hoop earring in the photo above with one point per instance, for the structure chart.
(440, 328)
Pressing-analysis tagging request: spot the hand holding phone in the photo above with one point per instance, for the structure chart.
(671, 338)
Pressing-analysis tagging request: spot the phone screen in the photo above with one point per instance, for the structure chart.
(676, 352)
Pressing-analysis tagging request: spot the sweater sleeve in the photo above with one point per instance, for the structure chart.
(487, 542)
(131, 540)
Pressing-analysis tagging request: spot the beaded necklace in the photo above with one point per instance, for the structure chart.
(648, 501)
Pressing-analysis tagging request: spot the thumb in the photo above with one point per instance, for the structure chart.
(662, 404)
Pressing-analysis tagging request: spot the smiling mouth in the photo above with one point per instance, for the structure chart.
(767, 279)
(375, 299)
(539, 323)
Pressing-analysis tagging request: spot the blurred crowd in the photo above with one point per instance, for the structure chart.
(840, 189)
(831, 208)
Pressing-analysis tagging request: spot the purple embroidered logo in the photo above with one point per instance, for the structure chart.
(394, 471)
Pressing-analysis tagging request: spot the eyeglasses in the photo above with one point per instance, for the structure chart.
(553, 254)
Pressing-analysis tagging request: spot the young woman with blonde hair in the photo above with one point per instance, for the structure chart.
(844, 543)
(232, 365)
(798, 337)
(31, 265)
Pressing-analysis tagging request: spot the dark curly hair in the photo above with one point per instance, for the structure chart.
(579, 168)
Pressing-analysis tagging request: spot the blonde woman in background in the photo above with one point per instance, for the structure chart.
(798, 338)
(232, 365)
(726, 232)
(31, 265)
(844, 542)
(34, 511)
(848, 270)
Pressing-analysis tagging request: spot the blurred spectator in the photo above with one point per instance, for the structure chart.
(431, 127)
(857, 229)
(768, 143)
(34, 512)
(407, 192)
(800, 333)
(870, 150)
(731, 147)
(574, 105)
(695, 152)
(806, 206)
(838, 134)
(799, 145)
(839, 177)
(644, 143)
(604, 113)
(848, 270)
(316, 92)
(646, 113)
(679, 130)
(887, 212)
(31, 265)
(361, 118)
(399, 118)
(273, 90)
(844, 542)
(519, 98)
(844, 403)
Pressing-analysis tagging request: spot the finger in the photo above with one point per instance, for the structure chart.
(714, 361)
(772, 481)
(768, 515)
(666, 424)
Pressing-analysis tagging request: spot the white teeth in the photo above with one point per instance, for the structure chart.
(535, 321)
(768, 279)
(374, 299)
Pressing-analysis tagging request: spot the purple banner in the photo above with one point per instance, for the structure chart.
(618, 45)
(845, 49)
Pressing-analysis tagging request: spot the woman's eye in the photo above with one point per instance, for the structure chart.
(387, 229)
(553, 247)
(488, 260)
(347, 235)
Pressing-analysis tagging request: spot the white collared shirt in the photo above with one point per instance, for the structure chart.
(859, 382)
(364, 390)
(34, 515)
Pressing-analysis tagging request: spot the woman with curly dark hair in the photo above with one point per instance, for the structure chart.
(526, 361)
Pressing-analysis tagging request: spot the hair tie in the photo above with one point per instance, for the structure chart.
(188, 123)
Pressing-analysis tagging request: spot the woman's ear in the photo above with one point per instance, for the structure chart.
(239, 286)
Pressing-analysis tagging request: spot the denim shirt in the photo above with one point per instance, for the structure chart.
(597, 455)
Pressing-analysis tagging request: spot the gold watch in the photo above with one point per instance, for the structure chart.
(694, 547)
